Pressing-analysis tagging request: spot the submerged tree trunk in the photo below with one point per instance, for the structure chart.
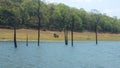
(39, 21)
(72, 29)
(39, 34)
(66, 36)
(15, 42)
(27, 40)
(97, 15)
(96, 29)
(96, 34)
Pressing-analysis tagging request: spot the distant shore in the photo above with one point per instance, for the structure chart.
(47, 36)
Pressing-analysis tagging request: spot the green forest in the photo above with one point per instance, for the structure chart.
(55, 17)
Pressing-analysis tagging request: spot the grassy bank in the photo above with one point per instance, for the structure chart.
(7, 35)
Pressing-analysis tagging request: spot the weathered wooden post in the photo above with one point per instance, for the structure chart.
(15, 42)
(72, 30)
(39, 22)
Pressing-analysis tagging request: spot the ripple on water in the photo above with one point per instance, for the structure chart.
(57, 55)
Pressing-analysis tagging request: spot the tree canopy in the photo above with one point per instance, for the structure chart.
(23, 14)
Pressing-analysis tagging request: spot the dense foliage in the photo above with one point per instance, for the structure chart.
(23, 14)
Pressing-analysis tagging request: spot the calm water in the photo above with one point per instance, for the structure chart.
(57, 55)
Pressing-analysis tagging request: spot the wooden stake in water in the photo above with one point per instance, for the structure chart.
(72, 29)
(15, 42)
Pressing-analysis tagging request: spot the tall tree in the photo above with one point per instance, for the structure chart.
(16, 3)
(53, 20)
(65, 19)
(72, 30)
(97, 19)
(39, 22)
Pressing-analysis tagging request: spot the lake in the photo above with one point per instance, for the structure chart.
(57, 55)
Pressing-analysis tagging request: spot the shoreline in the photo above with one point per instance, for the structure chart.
(48, 36)
(58, 41)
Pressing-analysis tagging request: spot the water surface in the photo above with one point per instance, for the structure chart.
(57, 55)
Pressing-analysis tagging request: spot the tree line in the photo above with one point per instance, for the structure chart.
(56, 17)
